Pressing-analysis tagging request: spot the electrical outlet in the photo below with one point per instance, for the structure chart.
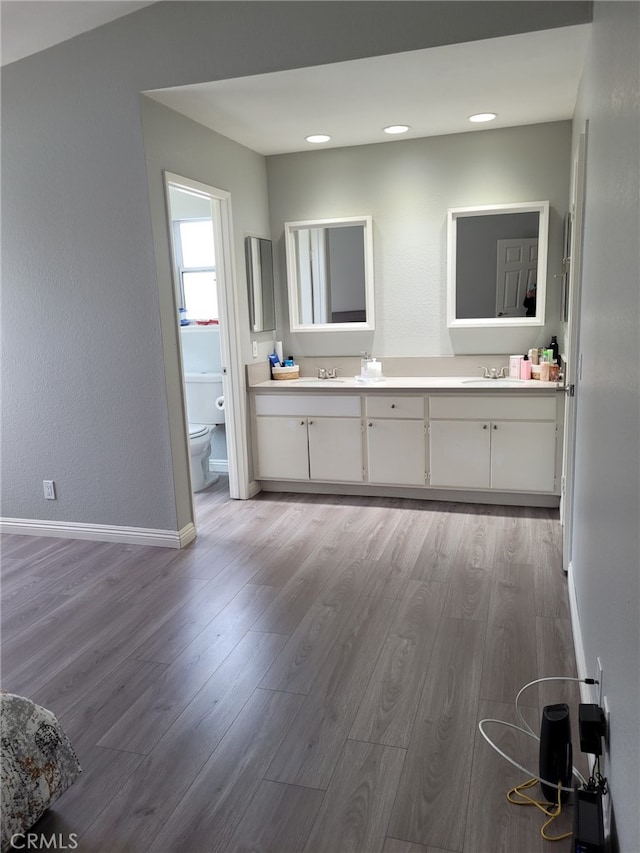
(49, 489)
(254, 344)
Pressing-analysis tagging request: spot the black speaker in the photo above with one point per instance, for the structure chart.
(556, 752)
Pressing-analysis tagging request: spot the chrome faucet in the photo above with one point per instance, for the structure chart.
(494, 373)
(328, 372)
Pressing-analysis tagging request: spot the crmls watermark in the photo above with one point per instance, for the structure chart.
(37, 841)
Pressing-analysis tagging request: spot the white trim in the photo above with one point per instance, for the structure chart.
(230, 344)
(453, 214)
(100, 532)
(589, 693)
(290, 229)
(221, 466)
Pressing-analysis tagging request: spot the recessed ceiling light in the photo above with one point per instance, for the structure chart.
(483, 117)
(396, 128)
(318, 137)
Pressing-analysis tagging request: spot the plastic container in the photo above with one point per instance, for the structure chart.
(525, 368)
(514, 365)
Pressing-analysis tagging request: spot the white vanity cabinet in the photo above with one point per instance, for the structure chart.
(305, 437)
(396, 440)
(501, 442)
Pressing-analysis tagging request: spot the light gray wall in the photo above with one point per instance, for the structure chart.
(88, 369)
(176, 144)
(407, 186)
(606, 552)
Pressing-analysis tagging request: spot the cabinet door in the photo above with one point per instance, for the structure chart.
(523, 456)
(459, 454)
(396, 452)
(282, 448)
(335, 449)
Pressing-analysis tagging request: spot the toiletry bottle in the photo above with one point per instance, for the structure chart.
(544, 370)
(364, 365)
(533, 355)
(553, 346)
(525, 368)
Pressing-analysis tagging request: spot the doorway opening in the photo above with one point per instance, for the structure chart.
(200, 227)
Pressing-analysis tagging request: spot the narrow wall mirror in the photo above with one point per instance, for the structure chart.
(262, 308)
(497, 265)
(330, 274)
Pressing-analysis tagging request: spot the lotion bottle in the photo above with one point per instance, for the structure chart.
(525, 368)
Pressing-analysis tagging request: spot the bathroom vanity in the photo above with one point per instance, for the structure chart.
(443, 438)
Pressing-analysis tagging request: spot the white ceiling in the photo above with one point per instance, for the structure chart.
(29, 26)
(525, 79)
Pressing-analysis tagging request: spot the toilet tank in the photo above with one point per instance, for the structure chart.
(203, 389)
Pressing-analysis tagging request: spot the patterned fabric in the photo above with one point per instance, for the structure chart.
(38, 763)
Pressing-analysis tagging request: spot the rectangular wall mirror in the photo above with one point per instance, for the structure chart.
(497, 265)
(330, 274)
(262, 308)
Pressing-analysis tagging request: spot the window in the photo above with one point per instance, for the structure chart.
(195, 259)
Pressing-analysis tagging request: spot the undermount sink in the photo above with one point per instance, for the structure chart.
(493, 383)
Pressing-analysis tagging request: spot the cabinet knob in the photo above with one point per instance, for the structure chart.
(393, 405)
(484, 426)
(301, 423)
(495, 426)
(370, 424)
(310, 422)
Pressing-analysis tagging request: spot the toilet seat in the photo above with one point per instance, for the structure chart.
(197, 430)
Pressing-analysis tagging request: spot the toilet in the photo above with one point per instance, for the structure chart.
(205, 410)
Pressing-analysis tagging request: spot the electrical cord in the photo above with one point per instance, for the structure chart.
(529, 801)
(527, 730)
(596, 780)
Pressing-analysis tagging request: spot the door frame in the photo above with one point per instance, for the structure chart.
(231, 356)
(572, 343)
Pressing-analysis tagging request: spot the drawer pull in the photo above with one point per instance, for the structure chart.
(370, 424)
(495, 426)
(484, 426)
(393, 405)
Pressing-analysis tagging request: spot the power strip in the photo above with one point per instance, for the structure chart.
(588, 825)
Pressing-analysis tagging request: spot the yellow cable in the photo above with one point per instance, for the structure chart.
(525, 800)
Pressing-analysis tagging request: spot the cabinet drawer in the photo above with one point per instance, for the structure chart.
(307, 404)
(530, 408)
(394, 407)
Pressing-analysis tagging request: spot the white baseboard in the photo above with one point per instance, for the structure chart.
(100, 532)
(589, 693)
(219, 465)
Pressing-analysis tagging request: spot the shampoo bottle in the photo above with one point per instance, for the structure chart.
(525, 368)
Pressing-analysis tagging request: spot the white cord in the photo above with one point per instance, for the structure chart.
(553, 785)
(530, 684)
(530, 733)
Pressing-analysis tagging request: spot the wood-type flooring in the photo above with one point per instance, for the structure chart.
(306, 677)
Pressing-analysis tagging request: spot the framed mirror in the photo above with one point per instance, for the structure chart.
(330, 274)
(262, 307)
(497, 265)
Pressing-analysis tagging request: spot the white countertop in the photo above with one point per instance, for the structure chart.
(407, 383)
